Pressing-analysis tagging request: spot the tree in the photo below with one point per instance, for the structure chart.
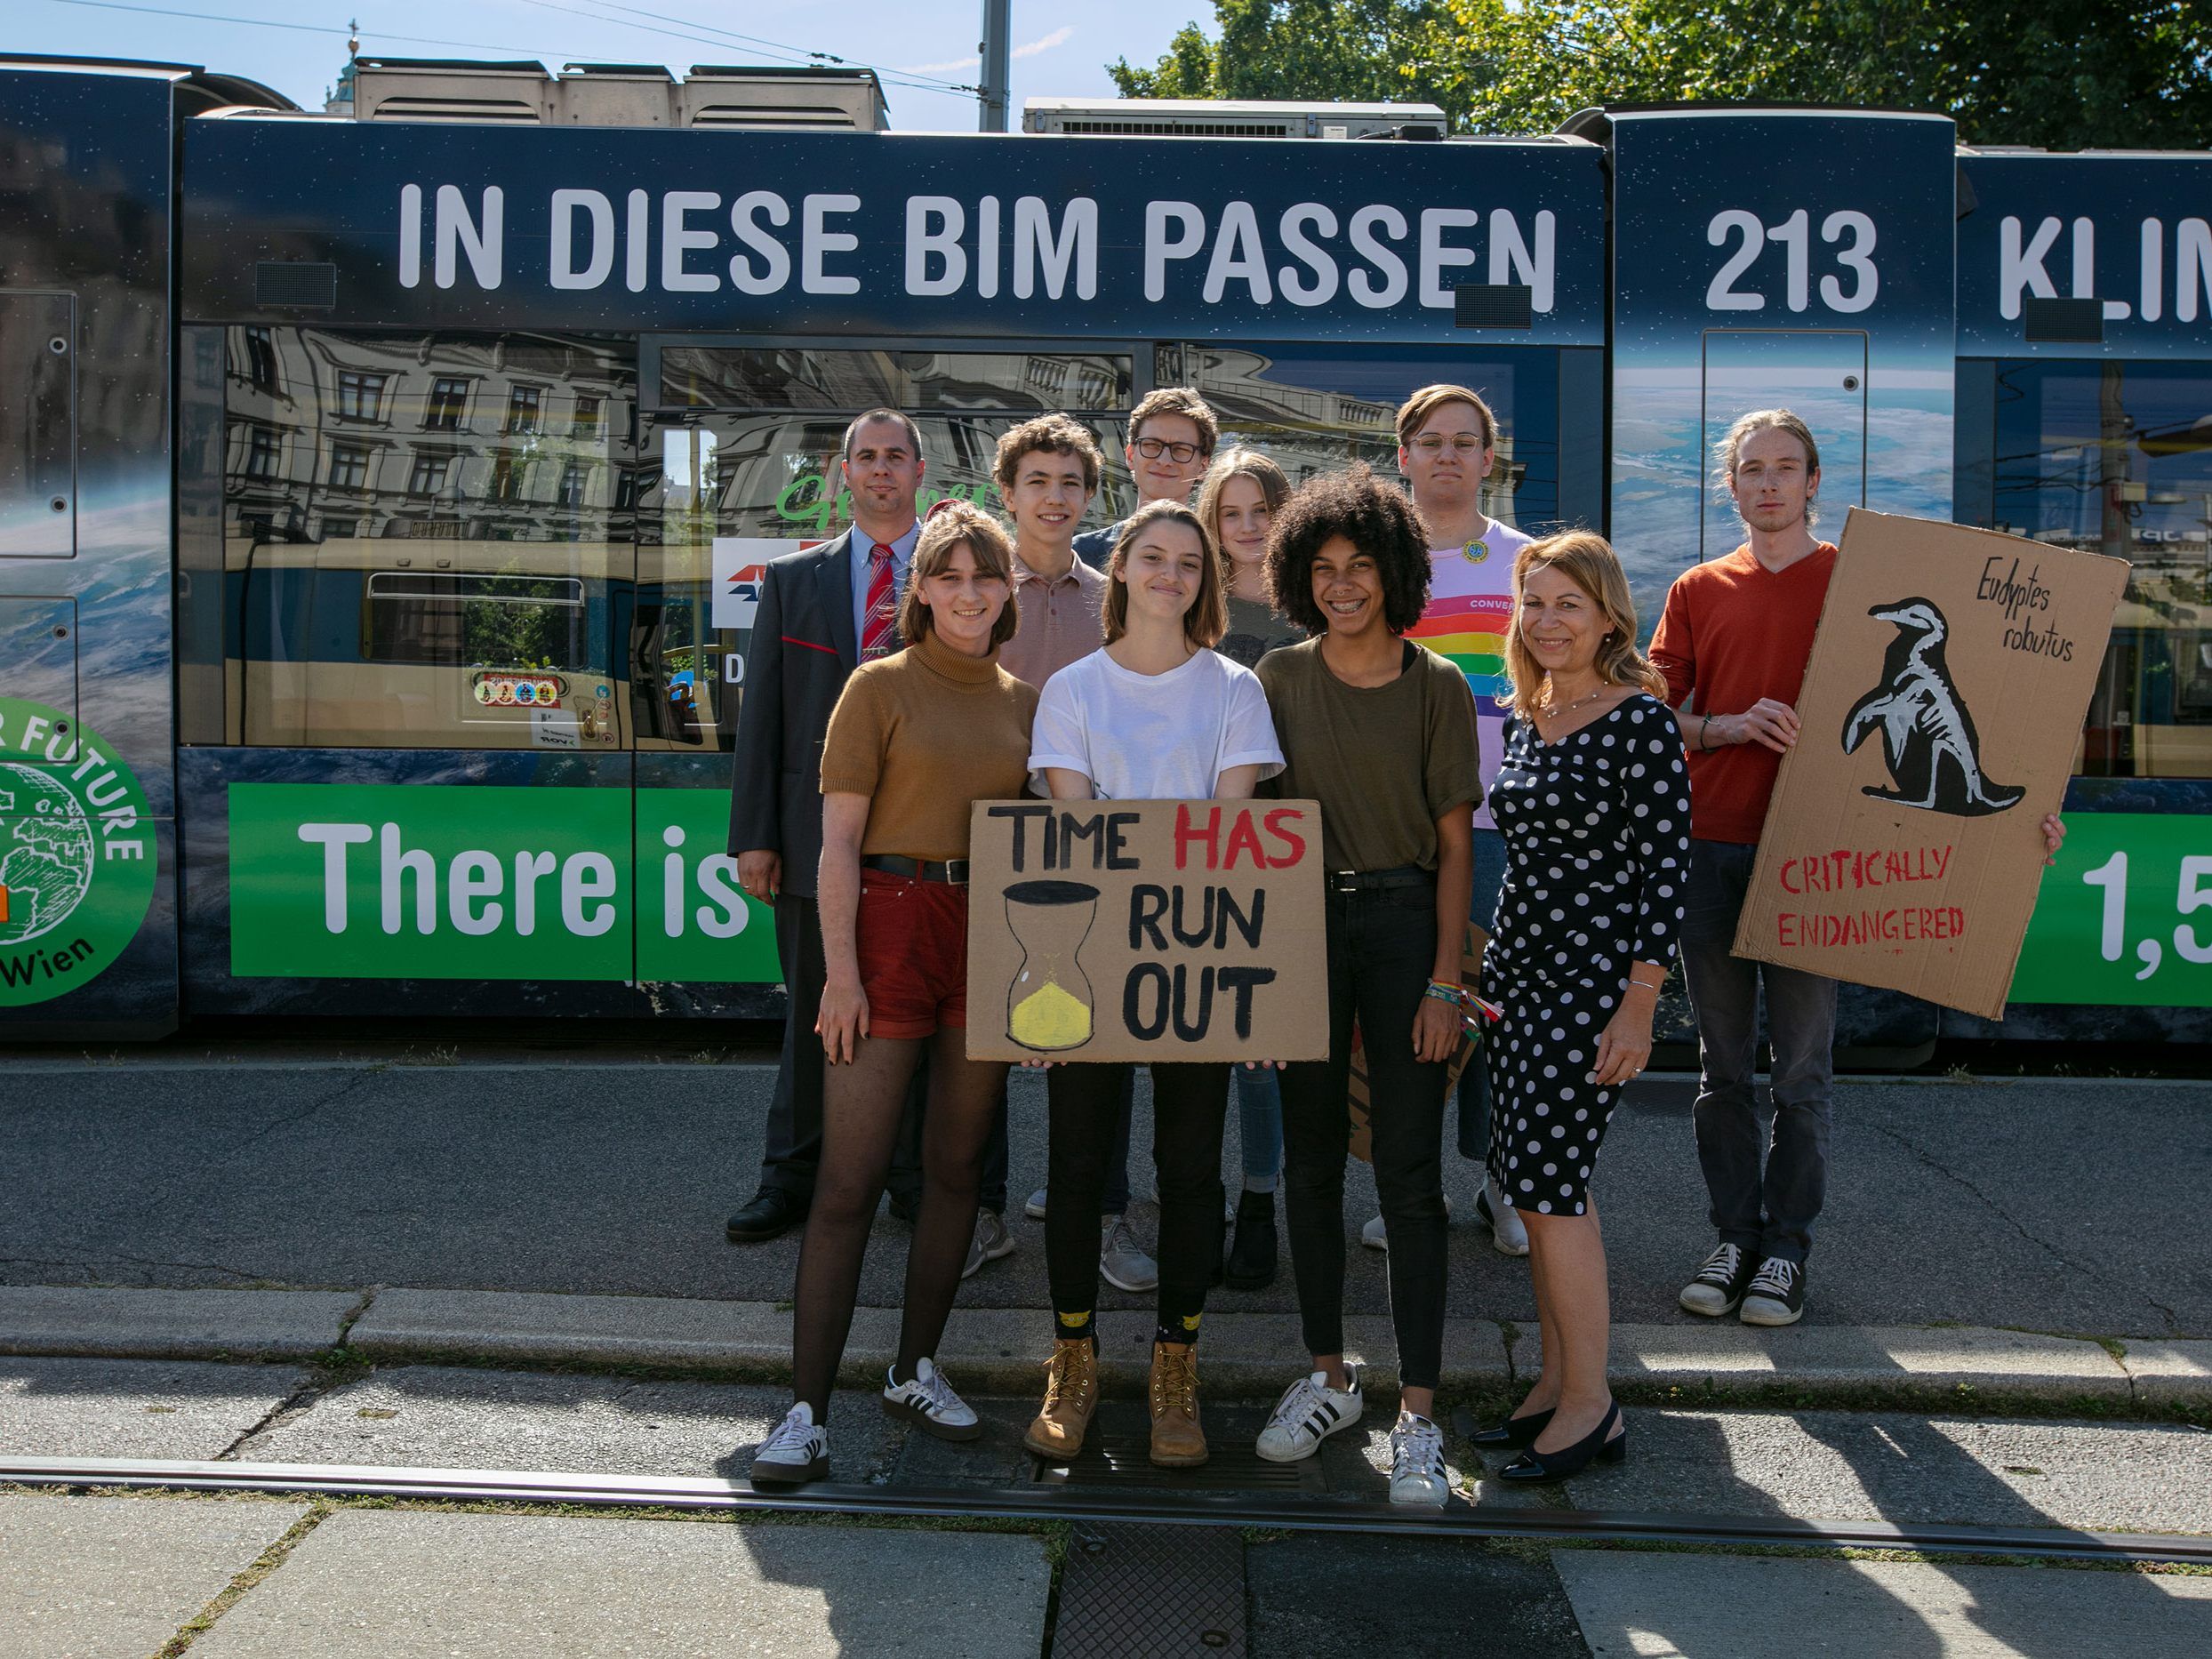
(1344, 51)
(2055, 73)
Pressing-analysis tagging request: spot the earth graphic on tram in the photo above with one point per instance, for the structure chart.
(45, 854)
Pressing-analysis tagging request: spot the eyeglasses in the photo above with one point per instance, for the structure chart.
(1153, 448)
(1431, 444)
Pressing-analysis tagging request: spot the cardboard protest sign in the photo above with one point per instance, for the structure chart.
(1949, 681)
(1146, 930)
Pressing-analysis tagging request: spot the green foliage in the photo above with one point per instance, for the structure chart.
(2055, 73)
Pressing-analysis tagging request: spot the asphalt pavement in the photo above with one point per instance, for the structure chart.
(2052, 1205)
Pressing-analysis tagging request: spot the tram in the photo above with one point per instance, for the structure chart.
(382, 502)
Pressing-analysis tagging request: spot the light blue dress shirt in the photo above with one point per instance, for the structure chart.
(863, 560)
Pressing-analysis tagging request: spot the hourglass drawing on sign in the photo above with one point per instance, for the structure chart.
(1048, 1005)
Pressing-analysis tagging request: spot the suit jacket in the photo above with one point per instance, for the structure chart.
(802, 653)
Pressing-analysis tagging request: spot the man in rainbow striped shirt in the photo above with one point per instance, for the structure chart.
(1447, 440)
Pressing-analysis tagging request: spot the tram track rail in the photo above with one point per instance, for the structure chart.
(1082, 1505)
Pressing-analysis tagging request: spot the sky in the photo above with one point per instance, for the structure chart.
(925, 47)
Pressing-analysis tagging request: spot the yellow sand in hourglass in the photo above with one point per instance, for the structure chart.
(1048, 1017)
(1048, 1005)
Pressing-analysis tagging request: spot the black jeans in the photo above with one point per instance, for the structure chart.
(1088, 1106)
(1382, 949)
(791, 1151)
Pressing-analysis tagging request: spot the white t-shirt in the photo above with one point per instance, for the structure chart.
(1153, 737)
(1470, 615)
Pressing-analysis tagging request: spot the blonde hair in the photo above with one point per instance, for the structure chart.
(952, 524)
(1239, 463)
(1586, 559)
(1414, 413)
(1207, 619)
(1731, 446)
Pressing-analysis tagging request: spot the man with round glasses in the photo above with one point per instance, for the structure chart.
(1170, 443)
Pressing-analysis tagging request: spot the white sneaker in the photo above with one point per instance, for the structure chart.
(1508, 1235)
(1308, 1412)
(1376, 1236)
(1126, 1266)
(930, 1405)
(797, 1452)
(991, 1241)
(1035, 1208)
(1417, 1474)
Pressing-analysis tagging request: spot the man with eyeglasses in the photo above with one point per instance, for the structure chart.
(1170, 443)
(1447, 441)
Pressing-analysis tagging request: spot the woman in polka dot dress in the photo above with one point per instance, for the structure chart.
(1593, 799)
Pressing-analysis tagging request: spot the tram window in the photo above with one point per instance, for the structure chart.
(475, 620)
(805, 379)
(2116, 458)
(402, 599)
(1314, 408)
(360, 397)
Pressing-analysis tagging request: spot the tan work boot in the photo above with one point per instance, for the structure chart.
(1177, 1440)
(1071, 1397)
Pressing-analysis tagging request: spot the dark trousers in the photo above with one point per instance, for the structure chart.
(1089, 1115)
(1382, 949)
(1766, 1191)
(791, 1151)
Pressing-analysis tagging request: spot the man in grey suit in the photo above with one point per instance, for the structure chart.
(806, 640)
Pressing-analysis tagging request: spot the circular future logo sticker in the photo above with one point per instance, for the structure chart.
(77, 855)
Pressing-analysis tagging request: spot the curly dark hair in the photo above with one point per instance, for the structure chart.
(1376, 518)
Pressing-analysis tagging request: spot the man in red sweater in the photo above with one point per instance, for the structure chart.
(1733, 642)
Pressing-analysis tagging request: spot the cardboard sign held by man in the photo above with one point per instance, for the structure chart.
(1947, 687)
(1146, 930)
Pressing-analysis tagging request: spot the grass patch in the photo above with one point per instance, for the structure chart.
(263, 1565)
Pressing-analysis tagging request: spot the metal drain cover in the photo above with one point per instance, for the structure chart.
(1132, 1592)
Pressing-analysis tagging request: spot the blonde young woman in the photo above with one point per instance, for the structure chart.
(918, 737)
(1237, 503)
(1592, 797)
(1152, 716)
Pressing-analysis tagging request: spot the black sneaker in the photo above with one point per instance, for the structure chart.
(1777, 1294)
(1721, 1283)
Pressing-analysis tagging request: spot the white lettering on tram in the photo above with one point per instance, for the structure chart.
(475, 886)
(683, 241)
(2021, 272)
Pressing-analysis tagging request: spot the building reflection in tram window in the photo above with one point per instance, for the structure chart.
(2116, 458)
(426, 538)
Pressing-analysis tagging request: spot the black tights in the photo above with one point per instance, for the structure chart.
(1188, 1105)
(861, 1101)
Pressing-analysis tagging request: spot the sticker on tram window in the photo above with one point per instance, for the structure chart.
(77, 854)
(741, 564)
(2125, 917)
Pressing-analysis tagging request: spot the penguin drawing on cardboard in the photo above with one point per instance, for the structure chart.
(1929, 740)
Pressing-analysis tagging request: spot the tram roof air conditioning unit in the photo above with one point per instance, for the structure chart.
(1228, 118)
(618, 95)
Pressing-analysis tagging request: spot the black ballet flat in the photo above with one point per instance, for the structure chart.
(1534, 1466)
(1514, 1431)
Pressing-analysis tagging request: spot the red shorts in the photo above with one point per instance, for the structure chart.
(912, 941)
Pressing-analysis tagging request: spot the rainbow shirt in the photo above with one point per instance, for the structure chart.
(1471, 609)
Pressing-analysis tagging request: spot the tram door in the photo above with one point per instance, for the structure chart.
(1818, 373)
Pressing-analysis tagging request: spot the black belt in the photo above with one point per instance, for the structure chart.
(1378, 881)
(952, 872)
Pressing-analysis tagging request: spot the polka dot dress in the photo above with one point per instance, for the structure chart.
(1597, 831)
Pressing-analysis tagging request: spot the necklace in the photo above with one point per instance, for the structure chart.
(1552, 711)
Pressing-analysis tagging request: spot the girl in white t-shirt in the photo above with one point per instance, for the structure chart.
(1157, 715)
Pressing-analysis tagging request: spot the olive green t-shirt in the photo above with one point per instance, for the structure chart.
(1385, 761)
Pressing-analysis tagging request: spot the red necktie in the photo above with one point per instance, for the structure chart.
(875, 638)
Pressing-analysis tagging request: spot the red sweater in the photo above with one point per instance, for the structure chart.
(1732, 632)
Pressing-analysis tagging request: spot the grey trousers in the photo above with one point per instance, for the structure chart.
(1766, 1191)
